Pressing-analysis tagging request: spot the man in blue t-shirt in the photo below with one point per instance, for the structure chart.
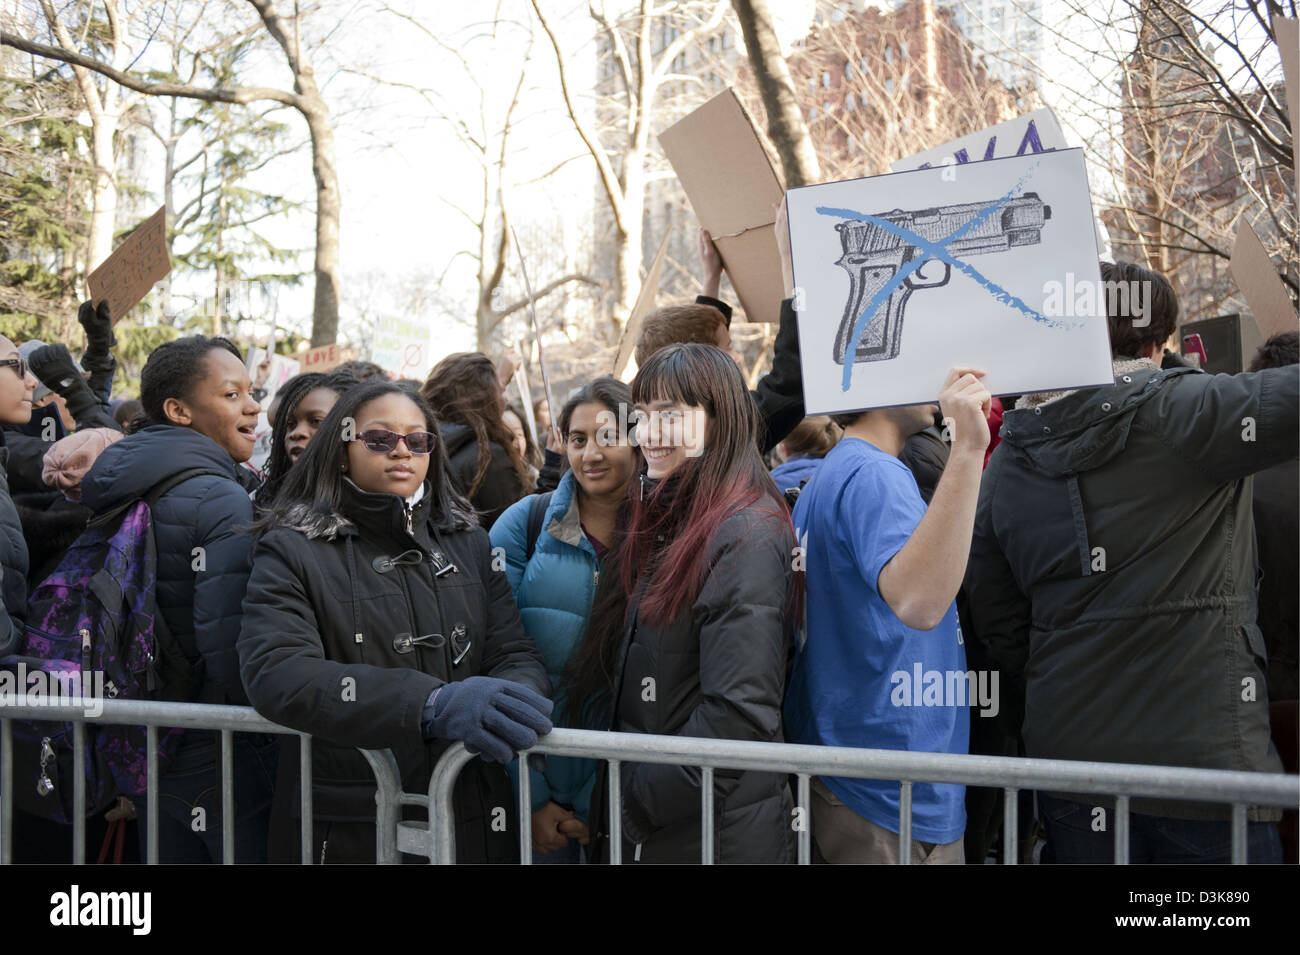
(883, 665)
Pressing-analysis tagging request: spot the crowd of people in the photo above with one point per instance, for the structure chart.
(1072, 575)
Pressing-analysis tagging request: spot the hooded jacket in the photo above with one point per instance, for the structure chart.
(719, 672)
(335, 600)
(500, 487)
(1113, 577)
(199, 591)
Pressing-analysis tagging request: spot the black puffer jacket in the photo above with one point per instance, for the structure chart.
(717, 672)
(500, 487)
(1113, 572)
(328, 614)
(13, 565)
(201, 607)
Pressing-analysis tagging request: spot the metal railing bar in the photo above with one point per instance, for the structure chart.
(905, 822)
(615, 812)
(805, 819)
(227, 797)
(1010, 827)
(78, 794)
(706, 815)
(1121, 830)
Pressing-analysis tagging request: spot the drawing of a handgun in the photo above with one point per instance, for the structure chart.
(872, 256)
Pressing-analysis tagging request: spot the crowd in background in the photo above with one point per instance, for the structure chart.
(1109, 573)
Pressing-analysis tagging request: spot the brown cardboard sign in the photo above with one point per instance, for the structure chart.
(135, 266)
(734, 191)
(645, 302)
(1287, 31)
(323, 358)
(1257, 278)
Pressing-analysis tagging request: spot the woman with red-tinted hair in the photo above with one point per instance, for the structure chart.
(693, 623)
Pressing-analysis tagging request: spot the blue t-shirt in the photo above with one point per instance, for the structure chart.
(862, 677)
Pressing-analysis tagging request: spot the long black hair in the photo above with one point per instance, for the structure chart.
(317, 479)
(291, 394)
(172, 371)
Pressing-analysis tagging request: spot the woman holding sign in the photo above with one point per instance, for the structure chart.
(692, 628)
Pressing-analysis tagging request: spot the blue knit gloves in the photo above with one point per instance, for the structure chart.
(494, 718)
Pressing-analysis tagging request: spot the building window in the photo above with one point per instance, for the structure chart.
(848, 71)
(889, 53)
(865, 68)
(848, 101)
(812, 86)
(826, 107)
(889, 84)
(907, 81)
(902, 49)
(726, 41)
(826, 79)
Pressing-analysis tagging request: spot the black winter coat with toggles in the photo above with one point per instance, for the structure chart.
(351, 620)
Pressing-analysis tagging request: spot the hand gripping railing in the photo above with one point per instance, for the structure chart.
(1122, 780)
(229, 720)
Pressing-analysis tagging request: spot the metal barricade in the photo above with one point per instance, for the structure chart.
(1122, 780)
(152, 715)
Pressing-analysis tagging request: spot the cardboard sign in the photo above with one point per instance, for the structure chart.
(645, 303)
(402, 347)
(734, 191)
(126, 276)
(1287, 30)
(907, 275)
(323, 358)
(1034, 132)
(1259, 283)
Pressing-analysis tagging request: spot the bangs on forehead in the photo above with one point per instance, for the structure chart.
(669, 379)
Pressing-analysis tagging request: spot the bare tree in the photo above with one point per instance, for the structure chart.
(642, 46)
(487, 131)
(306, 98)
(785, 119)
(1192, 135)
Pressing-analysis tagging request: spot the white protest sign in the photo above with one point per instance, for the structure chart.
(403, 347)
(906, 275)
(1034, 132)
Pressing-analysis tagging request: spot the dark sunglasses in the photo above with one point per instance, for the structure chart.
(18, 365)
(381, 441)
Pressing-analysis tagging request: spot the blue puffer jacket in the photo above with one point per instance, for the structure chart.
(203, 609)
(554, 591)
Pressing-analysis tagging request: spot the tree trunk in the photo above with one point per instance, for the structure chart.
(785, 120)
(103, 214)
(325, 315)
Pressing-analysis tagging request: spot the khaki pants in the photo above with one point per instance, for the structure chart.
(844, 837)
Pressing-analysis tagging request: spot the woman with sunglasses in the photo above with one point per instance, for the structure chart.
(692, 630)
(16, 389)
(374, 619)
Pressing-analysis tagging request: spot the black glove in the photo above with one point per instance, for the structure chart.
(99, 327)
(54, 366)
(495, 718)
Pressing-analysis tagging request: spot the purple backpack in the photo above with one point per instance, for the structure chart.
(94, 623)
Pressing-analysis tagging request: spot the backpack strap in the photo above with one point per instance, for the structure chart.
(536, 514)
(154, 494)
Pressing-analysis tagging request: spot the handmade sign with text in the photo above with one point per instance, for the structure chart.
(135, 266)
